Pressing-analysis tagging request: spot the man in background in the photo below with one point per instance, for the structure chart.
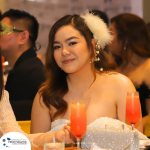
(19, 31)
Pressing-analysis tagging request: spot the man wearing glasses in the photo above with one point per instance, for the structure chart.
(18, 34)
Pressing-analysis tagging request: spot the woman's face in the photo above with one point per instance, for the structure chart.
(71, 51)
(116, 45)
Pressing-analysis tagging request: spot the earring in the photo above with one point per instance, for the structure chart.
(97, 51)
(125, 48)
(90, 60)
(101, 69)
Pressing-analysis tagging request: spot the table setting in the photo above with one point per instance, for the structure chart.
(104, 133)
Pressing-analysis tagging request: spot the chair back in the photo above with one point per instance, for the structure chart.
(25, 126)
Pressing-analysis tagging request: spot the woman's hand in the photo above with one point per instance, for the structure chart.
(65, 131)
(69, 137)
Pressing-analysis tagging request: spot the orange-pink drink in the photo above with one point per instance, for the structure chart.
(133, 108)
(78, 119)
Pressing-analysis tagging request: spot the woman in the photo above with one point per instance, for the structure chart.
(8, 121)
(78, 70)
(131, 49)
(93, 89)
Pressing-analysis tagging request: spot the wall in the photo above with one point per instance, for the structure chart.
(48, 11)
(2, 5)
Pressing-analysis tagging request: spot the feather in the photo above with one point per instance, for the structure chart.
(99, 29)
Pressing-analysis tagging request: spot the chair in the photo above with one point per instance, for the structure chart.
(25, 126)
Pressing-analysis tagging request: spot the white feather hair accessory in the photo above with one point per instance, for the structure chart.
(98, 28)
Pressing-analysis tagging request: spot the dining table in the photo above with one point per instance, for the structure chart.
(67, 148)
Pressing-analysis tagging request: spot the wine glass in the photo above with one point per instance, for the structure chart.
(78, 121)
(133, 108)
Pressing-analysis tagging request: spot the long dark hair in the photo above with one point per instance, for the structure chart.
(56, 86)
(133, 29)
(1, 76)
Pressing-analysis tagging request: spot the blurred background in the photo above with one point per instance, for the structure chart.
(48, 12)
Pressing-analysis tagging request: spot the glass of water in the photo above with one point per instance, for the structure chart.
(55, 143)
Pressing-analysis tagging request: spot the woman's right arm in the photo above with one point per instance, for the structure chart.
(40, 116)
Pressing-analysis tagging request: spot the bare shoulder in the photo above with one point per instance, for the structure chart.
(120, 81)
(148, 62)
(38, 99)
(147, 72)
(40, 116)
(147, 65)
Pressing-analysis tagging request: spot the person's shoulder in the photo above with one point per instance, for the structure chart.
(121, 81)
(147, 72)
(5, 92)
(40, 92)
(32, 62)
(115, 76)
(30, 67)
(5, 96)
(39, 98)
(147, 65)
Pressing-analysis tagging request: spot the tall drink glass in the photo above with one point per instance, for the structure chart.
(133, 108)
(78, 121)
(54, 143)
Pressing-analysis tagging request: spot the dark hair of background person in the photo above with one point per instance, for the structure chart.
(27, 21)
(133, 32)
(100, 14)
(56, 86)
(1, 76)
(148, 24)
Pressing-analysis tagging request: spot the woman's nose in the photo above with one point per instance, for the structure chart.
(65, 52)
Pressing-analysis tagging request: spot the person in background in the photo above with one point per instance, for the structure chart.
(131, 50)
(18, 34)
(100, 14)
(8, 122)
(148, 24)
(79, 70)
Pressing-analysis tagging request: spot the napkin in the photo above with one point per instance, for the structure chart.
(143, 143)
(95, 147)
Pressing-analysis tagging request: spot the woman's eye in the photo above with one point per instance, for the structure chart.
(72, 43)
(56, 47)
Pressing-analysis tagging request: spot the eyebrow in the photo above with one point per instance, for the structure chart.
(73, 37)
